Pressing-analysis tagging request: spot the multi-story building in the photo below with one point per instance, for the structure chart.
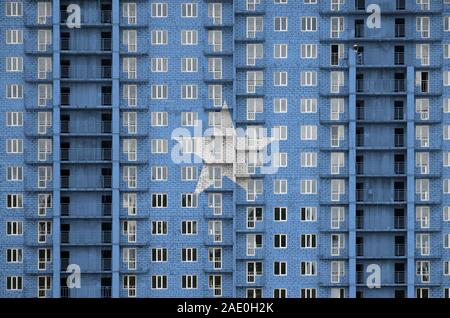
(94, 113)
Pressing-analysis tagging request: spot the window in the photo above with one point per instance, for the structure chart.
(423, 108)
(159, 37)
(336, 27)
(280, 24)
(280, 78)
(337, 271)
(308, 186)
(308, 132)
(215, 40)
(254, 215)
(189, 64)
(189, 119)
(159, 92)
(423, 270)
(189, 37)
(308, 214)
(14, 228)
(159, 173)
(189, 254)
(129, 39)
(336, 108)
(44, 67)
(337, 81)
(255, 51)
(14, 91)
(189, 200)
(44, 149)
(337, 162)
(280, 241)
(159, 200)
(189, 173)
(308, 268)
(308, 293)
(129, 12)
(189, 10)
(130, 203)
(308, 51)
(44, 94)
(279, 268)
(254, 107)
(280, 105)
(280, 214)
(422, 135)
(308, 159)
(280, 132)
(13, 9)
(14, 119)
(189, 91)
(189, 281)
(159, 254)
(280, 186)
(215, 12)
(129, 284)
(215, 67)
(130, 67)
(423, 26)
(280, 159)
(14, 173)
(159, 282)
(308, 24)
(44, 39)
(337, 189)
(14, 64)
(308, 105)
(159, 10)
(159, 64)
(254, 79)
(308, 241)
(14, 146)
(159, 228)
(159, 119)
(308, 78)
(14, 36)
(337, 217)
(423, 189)
(14, 255)
(130, 122)
(189, 227)
(254, 26)
(14, 283)
(280, 51)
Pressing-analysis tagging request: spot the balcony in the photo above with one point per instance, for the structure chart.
(86, 237)
(399, 140)
(399, 277)
(399, 167)
(400, 250)
(104, 182)
(359, 222)
(104, 17)
(359, 249)
(103, 127)
(86, 154)
(93, 266)
(102, 292)
(70, 73)
(399, 195)
(67, 211)
(106, 100)
(399, 222)
(381, 86)
(95, 47)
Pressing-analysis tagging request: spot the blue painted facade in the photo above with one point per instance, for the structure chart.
(89, 177)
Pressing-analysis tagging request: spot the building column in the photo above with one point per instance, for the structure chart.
(410, 132)
(115, 149)
(56, 222)
(352, 174)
